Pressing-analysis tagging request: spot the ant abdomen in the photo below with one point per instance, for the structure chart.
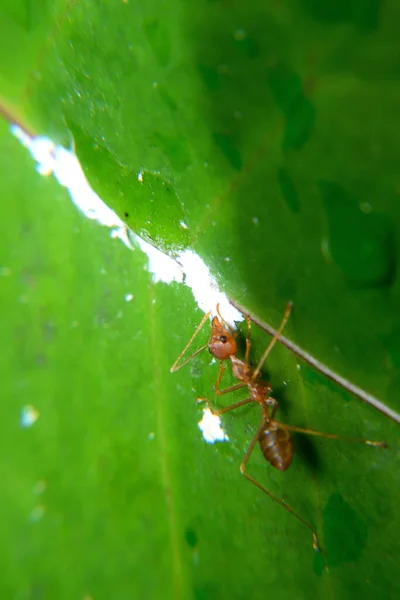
(277, 446)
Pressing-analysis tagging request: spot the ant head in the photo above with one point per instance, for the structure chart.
(222, 342)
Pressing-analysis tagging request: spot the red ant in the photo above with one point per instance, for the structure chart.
(276, 442)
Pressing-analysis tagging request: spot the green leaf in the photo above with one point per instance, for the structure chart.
(269, 132)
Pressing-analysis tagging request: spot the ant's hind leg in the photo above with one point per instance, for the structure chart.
(332, 436)
(243, 465)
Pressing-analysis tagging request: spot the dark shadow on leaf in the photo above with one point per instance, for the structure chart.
(306, 450)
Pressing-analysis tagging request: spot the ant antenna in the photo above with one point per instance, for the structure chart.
(225, 324)
(176, 366)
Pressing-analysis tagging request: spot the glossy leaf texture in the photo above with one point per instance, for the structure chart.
(265, 136)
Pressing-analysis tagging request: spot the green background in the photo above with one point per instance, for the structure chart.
(271, 131)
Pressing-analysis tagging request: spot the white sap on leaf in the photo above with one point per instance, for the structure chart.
(210, 426)
(162, 267)
(187, 267)
(66, 168)
(205, 288)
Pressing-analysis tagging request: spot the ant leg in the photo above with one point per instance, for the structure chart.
(220, 411)
(220, 373)
(225, 324)
(276, 337)
(219, 392)
(176, 366)
(248, 342)
(232, 388)
(332, 436)
(243, 465)
(233, 406)
(208, 404)
(274, 407)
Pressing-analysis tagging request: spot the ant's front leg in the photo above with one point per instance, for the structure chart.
(232, 388)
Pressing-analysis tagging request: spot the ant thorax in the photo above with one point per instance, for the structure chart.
(240, 370)
(260, 392)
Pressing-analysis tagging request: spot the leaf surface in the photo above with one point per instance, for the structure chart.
(264, 139)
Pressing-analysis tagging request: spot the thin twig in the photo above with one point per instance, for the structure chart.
(319, 366)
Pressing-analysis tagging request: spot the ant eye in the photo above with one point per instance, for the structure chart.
(223, 339)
